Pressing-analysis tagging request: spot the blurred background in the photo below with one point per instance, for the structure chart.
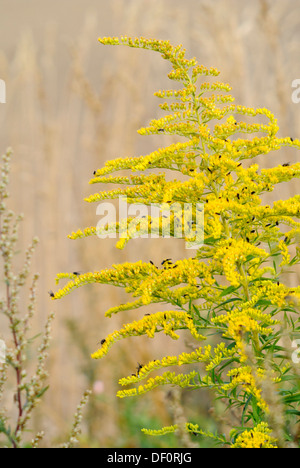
(72, 104)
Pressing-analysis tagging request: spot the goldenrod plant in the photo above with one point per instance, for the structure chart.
(231, 295)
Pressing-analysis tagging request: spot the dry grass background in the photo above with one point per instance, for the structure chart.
(71, 105)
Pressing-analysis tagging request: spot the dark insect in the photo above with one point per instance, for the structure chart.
(77, 273)
(51, 293)
(139, 367)
(160, 129)
(292, 139)
(102, 341)
(285, 164)
(95, 172)
(167, 260)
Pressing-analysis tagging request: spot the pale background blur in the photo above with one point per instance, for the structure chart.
(71, 105)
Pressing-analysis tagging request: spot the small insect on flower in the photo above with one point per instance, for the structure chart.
(167, 263)
(160, 129)
(102, 341)
(77, 273)
(139, 367)
(167, 260)
(51, 293)
(285, 164)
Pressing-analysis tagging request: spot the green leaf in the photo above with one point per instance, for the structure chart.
(228, 301)
(293, 398)
(265, 302)
(41, 393)
(2, 426)
(255, 410)
(228, 290)
(245, 408)
(293, 411)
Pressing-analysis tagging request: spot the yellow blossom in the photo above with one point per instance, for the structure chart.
(258, 437)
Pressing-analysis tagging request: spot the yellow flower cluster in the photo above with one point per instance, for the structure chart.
(146, 281)
(159, 432)
(167, 378)
(243, 376)
(167, 322)
(206, 354)
(232, 254)
(258, 437)
(189, 427)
